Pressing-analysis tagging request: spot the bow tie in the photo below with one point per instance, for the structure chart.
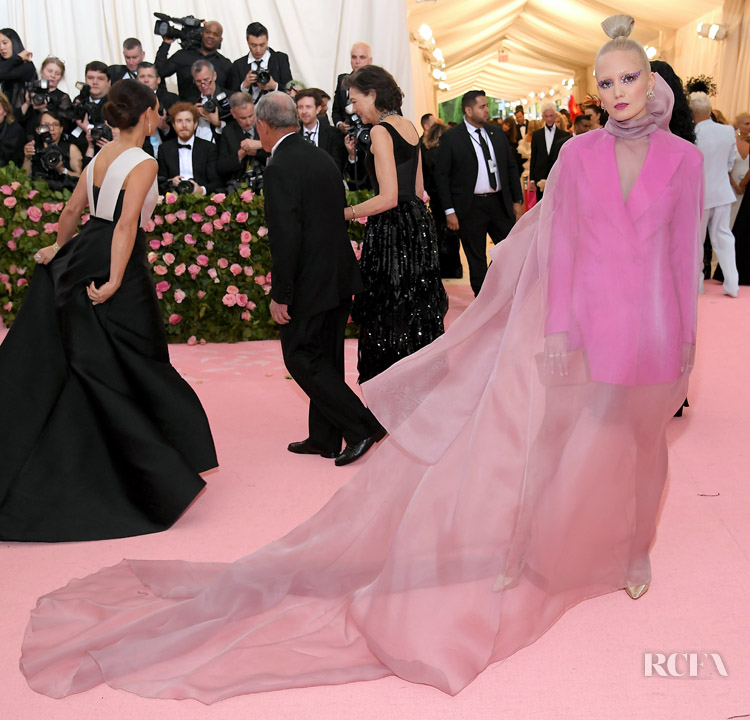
(188, 146)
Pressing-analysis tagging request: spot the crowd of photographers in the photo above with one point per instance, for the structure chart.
(206, 138)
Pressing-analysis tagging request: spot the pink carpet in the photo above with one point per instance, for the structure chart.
(589, 665)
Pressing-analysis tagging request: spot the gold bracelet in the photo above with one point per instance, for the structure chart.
(55, 247)
(351, 207)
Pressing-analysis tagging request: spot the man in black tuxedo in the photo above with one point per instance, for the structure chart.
(360, 56)
(149, 76)
(521, 122)
(182, 61)
(317, 132)
(545, 147)
(261, 58)
(132, 51)
(477, 181)
(314, 276)
(188, 157)
(240, 149)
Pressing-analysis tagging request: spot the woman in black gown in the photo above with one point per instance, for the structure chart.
(107, 440)
(404, 302)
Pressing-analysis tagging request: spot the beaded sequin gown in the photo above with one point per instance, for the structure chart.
(404, 301)
(108, 439)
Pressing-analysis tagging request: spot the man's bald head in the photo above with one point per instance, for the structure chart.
(361, 55)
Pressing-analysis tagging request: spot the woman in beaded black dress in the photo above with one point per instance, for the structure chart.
(404, 302)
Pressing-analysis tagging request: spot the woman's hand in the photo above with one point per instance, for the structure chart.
(45, 254)
(556, 353)
(25, 55)
(103, 293)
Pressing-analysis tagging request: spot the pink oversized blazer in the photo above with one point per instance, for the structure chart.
(623, 275)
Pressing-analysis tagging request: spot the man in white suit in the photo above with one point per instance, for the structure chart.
(719, 147)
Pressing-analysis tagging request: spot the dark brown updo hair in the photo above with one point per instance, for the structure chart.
(369, 78)
(127, 101)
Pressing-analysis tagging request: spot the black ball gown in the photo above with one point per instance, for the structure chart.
(102, 437)
(404, 301)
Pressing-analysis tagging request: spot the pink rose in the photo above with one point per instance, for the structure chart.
(154, 244)
(212, 273)
(210, 210)
(160, 270)
(174, 319)
(201, 294)
(218, 198)
(207, 228)
(226, 217)
(179, 296)
(218, 224)
(267, 289)
(17, 232)
(268, 278)
(249, 270)
(245, 236)
(192, 340)
(262, 231)
(241, 299)
(229, 300)
(149, 226)
(170, 198)
(22, 281)
(260, 280)
(31, 233)
(235, 269)
(196, 217)
(4, 278)
(12, 245)
(34, 213)
(13, 269)
(152, 257)
(2, 222)
(245, 316)
(247, 196)
(194, 270)
(158, 220)
(162, 286)
(60, 206)
(168, 258)
(202, 260)
(241, 217)
(232, 289)
(189, 239)
(9, 202)
(15, 184)
(181, 215)
(244, 251)
(209, 245)
(222, 263)
(47, 207)
(180, 270)
(32, 194)
(170, 217)
(21, 271)
(167, 238)
(50, 228)
(250, 305)
(362, 220)
(6, 190)
(8, 306)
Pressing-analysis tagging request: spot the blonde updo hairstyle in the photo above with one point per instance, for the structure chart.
(619, 27)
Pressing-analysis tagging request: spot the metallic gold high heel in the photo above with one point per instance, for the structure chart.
(636, 591)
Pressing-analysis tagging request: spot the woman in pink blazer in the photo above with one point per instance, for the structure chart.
(523, 473)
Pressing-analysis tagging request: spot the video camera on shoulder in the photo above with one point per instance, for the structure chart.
(190, 34)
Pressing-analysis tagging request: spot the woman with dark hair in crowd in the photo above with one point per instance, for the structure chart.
(111, 440)
(53, 70)
(514, 137)
(16, 68)
(71, 162)
(11, 135)
(448, 241)
(404, 302)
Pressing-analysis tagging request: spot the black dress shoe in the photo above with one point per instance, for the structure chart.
(357, 450)
(305, 447)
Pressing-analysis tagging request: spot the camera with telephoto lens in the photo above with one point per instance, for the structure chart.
(99, 131)
(190, 34)
(38, 92)
(184, 187)
(252, 178)
(47, 154)
(262, 77)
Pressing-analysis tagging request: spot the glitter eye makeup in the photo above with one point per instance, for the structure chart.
(625, 79)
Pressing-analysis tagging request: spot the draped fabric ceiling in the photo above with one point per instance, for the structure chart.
(546, 40)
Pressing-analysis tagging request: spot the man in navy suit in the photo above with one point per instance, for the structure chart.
(477, 182)
(244, 76)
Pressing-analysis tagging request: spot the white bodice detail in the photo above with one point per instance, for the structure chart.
(110, 188)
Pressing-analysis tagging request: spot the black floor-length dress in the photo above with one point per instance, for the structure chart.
(102, 437)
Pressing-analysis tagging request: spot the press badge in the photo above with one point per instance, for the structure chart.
(492, 165)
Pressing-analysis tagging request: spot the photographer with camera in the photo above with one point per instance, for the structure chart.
(132, 51)
(315, 131)
(359, 56)
(187, 164)
(262, 70)
(11, 135)
(92, 133)
(241, 155)
(148, 74)
(50, 155)
(43, 94)
(16, 68)
(213, 103)
(182, 61)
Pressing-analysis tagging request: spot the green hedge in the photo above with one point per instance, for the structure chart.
(210, 256)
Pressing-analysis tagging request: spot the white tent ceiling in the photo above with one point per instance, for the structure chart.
(546, 41)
